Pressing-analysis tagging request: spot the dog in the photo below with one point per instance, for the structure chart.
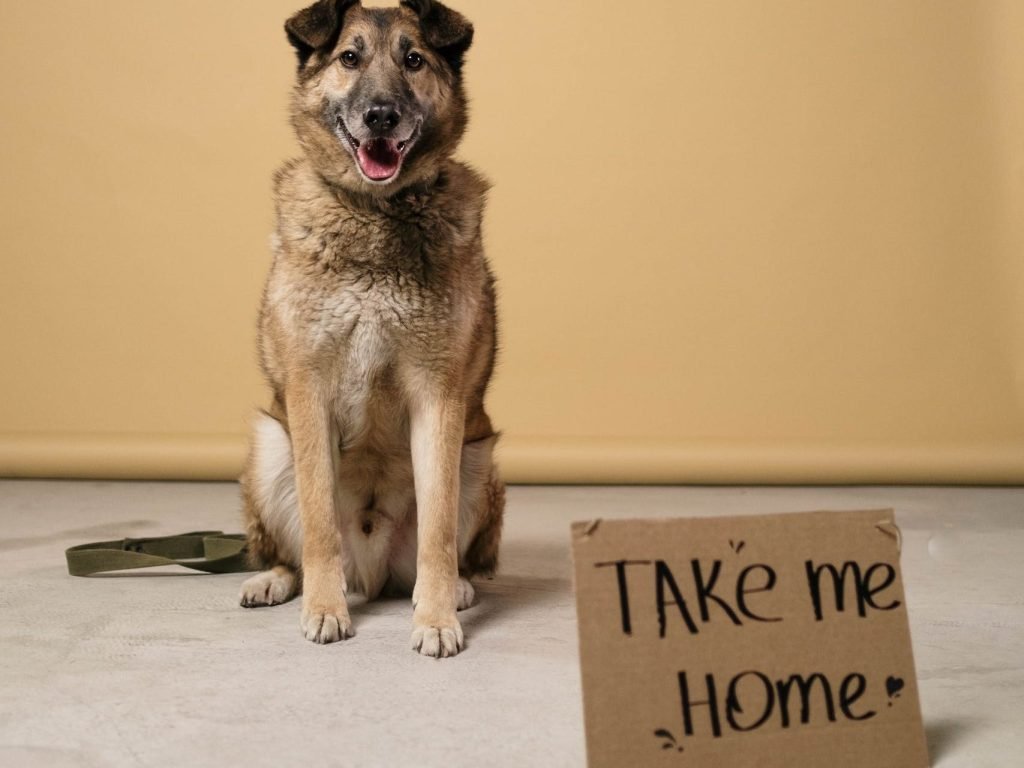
(372, 470)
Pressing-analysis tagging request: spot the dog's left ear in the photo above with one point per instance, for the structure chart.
(447, 31)
(316, 27)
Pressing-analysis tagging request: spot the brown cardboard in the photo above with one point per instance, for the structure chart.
(635, 681)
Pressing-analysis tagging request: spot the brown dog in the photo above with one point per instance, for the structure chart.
(373, 466)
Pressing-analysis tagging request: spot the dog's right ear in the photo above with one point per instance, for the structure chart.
(316, 27)
(448, 31)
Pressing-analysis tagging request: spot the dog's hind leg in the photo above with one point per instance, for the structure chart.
(272, 516)
(481, 509)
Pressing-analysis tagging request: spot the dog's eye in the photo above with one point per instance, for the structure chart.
(413, 61)
(350, 58)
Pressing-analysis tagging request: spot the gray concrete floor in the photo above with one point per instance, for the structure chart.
(168, 670)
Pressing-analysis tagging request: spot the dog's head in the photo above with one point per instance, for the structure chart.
(378, 102)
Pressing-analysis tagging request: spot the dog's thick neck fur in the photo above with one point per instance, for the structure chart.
(397, 202)
(436, 221)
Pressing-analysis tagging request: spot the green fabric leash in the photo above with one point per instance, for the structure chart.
(208, 551)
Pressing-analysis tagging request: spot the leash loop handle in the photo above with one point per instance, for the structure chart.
(207, 551)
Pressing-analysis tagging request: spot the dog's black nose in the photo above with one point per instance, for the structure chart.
(381, 118)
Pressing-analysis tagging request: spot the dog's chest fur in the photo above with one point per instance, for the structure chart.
(371, 289)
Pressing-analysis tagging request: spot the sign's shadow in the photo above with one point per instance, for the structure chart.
(944, 736)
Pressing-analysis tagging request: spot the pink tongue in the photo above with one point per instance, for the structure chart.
(379, 158)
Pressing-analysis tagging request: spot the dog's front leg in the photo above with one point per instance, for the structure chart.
(437, 428)
(325, 616)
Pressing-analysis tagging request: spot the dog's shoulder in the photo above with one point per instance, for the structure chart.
(464, 189)
(458, 200)
(297, 182)
(466, 182)
(315, 225)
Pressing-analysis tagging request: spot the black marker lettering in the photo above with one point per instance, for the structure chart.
(847, 698)
(711, 702)
(742, 590)
(663, 576)
(704, 592)
(620, 572)
(732, 703)
(805, 686)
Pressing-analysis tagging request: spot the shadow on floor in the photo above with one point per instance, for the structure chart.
(501, 598)
(505, 597)
(944, 736)
(532, 576)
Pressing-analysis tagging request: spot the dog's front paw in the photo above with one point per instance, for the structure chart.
(326, 625)
(438, 639)
(435, 630)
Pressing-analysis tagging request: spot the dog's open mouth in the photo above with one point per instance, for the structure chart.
(379, 159)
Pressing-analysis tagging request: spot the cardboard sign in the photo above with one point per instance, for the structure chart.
(776, 641)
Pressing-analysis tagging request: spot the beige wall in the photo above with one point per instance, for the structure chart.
(737, 241)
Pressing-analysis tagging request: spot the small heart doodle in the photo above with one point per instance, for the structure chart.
(893, 686)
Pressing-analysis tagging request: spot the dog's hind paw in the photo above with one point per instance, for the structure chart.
(268, 588)
(464, 594)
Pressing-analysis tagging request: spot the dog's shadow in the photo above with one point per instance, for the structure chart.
(532, 577)
(506, 596)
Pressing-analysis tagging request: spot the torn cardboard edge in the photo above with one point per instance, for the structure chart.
(585, 529)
